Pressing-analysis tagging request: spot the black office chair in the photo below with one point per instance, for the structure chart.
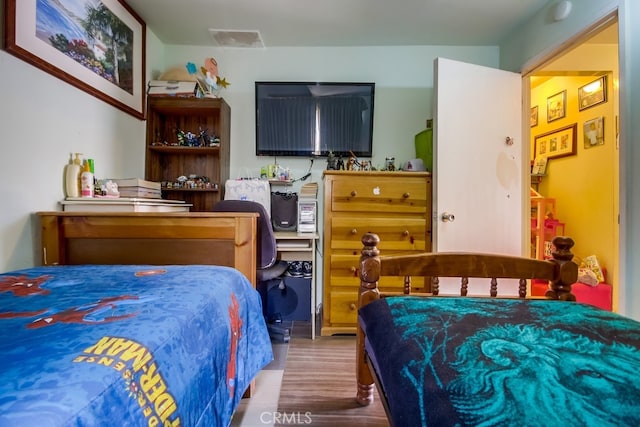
(268, 266)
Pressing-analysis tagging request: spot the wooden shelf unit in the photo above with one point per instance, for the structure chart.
(166, 160)
(540, 232)
(294, 246)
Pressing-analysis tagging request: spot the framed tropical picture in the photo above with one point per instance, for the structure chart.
(95, 45)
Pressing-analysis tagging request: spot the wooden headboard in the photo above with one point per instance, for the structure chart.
(560, 272)
(227, 239)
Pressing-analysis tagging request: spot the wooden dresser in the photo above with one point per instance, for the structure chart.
(394, 205)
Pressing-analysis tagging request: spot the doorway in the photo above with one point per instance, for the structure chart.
(583, 181)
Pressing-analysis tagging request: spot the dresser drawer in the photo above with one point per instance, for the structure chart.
(344, 307)
(396, 233)
(345, 273)
(377, 194)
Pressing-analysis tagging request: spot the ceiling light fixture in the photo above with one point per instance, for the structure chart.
(562, 10)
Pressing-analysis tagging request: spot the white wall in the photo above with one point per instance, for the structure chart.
(404, 91)
(44, 119)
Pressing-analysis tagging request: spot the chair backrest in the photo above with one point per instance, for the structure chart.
(561, 272)
(255, 190)
(267, 250)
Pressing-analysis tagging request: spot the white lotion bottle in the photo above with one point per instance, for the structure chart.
(72, 177)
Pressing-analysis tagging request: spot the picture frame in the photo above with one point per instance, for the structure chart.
(539, 167)
(55, 40)
(533, 118)
(592, 93)
(593, 132)
(557, 106)
(557, 143)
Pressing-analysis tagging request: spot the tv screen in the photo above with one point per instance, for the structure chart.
(307, 119)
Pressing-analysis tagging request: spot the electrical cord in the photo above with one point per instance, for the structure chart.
(308, 174)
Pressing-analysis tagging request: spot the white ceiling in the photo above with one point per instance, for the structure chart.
(336, 22)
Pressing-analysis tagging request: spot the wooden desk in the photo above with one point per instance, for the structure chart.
(211, 238)
(293, 246)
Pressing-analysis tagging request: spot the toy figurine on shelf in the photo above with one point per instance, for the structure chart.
(158, 140)
(180, 136)
(353, 164)
(390, 163)
(207, 140)
(331, 161)
(191, 139)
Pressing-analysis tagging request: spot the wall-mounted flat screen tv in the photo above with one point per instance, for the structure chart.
(310, 119)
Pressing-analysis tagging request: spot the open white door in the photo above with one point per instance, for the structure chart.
(480, 161)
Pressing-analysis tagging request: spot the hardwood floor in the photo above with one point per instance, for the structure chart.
(319, 384)
(310, 382)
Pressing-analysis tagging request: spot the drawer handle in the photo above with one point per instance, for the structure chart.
(353, 270)
(354, 231)
(405, 195)
(405, 233)
(352, 306)
(354, 193)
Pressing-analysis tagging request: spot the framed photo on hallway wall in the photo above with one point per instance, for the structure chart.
(557, 106)
(97, 46)
(593, 131)
(557, 143)
(593, 93)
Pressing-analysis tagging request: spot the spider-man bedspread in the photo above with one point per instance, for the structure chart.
(127, 345)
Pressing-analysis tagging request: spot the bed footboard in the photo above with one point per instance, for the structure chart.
(561, 272)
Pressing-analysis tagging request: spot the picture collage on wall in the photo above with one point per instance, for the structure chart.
(563, 141)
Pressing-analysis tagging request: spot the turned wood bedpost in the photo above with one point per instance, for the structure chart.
(369, 274)
(560, 289)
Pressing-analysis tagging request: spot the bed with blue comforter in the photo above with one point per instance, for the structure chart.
(127, 345)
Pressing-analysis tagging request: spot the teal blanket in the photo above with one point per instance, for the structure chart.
(488, 362)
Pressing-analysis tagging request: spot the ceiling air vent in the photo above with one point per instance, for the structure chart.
(236, 38)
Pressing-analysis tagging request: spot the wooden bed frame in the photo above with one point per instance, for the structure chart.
(560, 271)
(227, 239)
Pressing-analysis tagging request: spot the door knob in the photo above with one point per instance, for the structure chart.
(447, 217)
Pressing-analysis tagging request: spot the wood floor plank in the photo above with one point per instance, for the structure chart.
(319, 384)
